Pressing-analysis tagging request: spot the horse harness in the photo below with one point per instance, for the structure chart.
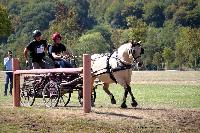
(120, 66)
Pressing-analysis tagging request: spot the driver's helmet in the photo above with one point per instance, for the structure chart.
(36, 33)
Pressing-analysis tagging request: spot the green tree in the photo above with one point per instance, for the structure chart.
(179, 16)
(168, 55)
(157, 60)
(168, 35)
(180, 56)
(151, 44)
(133, 8)
(188, 42)
(5, 23)
(137, 28)
(105, 31)
(188, 4)
(91, 44)
(36, 16)
(113, 14)
(68, 26)
(154, 14)
(169, 11)
(98, 8)
(116, 37)
(193, 18)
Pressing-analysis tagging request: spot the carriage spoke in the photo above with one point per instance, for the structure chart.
(27, 94)
(51, 94)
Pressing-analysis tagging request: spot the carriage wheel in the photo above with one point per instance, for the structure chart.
(27, 94)
(51, 94)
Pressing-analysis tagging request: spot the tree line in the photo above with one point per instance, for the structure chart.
(168, 29)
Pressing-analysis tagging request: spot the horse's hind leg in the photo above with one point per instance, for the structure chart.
(112, 98)
(92, 98)
(134, 103)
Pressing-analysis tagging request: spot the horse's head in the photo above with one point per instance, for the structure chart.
(135, 51)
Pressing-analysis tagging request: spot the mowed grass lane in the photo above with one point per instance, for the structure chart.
(155, 89)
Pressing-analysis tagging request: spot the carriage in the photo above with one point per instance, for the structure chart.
(53, 88)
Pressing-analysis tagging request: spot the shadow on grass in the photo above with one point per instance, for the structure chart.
(117, 114)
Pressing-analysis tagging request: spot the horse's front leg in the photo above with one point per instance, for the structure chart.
(134, 103)
(127, 89)
(112, 98)
(123, 105)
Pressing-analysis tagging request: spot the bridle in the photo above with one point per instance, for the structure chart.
(132, 51)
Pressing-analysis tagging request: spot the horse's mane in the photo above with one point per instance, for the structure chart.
(123, 48)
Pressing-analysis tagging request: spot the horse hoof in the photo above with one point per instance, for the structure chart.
(124, 106)
(134, 104)
(113, 101)
(112, 98)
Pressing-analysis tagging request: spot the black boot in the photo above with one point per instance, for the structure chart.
(5, 93)
(11, 93)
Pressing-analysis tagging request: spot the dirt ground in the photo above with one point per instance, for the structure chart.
(141, 119)
(107, 120)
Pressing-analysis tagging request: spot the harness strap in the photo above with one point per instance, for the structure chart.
(99, 74)
(99, 70)
(121, 65)
(120, 68)
(109, 69)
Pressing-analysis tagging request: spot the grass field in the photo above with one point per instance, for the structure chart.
(168, 102)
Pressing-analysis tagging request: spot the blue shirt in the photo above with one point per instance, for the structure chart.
(8, 63)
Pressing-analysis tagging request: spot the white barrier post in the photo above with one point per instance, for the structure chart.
(86, 83)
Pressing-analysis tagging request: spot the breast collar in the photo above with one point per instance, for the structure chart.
(121, 64)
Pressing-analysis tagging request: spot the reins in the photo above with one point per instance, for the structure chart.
(136, 57)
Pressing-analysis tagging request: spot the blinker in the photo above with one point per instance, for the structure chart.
(142, 51)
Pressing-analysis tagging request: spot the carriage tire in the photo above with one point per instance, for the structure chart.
(51, 94)
(27, 95)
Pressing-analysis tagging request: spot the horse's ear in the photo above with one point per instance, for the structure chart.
(134, 43)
